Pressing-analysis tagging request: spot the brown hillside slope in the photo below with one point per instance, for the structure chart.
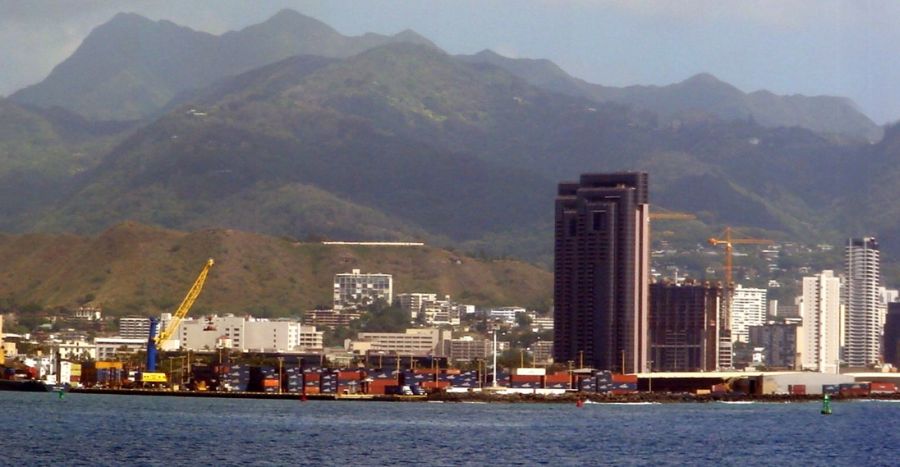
(136, 269)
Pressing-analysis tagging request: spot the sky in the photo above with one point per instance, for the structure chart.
(812, 47)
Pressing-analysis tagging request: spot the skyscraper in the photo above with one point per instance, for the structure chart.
(748, 308)
(863, 306)
(602, 271)
(821, 312)
(892, 335)
(684, 326)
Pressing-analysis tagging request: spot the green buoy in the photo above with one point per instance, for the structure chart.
(826, 405)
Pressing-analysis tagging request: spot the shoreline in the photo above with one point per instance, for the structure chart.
(568, 398)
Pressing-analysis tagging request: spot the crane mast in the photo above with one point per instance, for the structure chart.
(154, 341)
(728, 242)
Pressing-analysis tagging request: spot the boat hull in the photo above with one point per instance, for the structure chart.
(24, 386)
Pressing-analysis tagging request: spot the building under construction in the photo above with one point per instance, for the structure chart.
(684, 326)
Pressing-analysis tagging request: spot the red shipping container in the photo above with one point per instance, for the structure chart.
(436, 384)
(622, 392)
(797, 389)
(311, 390)
(882, 388)
(311, 376)
(348, 376)
(379, 386)
(617, 378)
(452, 371)
(557, 378)
(423, 371)
(525, 378)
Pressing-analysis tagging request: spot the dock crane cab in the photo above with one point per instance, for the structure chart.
(154, 341)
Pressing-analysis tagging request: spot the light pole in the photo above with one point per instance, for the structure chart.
(649, 375)
(494, 384)
(280, 378)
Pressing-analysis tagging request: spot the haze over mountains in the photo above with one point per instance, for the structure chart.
(289, 128)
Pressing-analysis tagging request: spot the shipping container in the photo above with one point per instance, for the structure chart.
(854, 389)
(379, 386)
(604, 377)
(882, 388)
(830, 389)
(349, 375)
(618, 378)
(271, 383)
(558, 378)
(435, 385)
(108, 365)
(529, 371)
(797, 389)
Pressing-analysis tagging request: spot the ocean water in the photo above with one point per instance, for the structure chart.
(83, 429)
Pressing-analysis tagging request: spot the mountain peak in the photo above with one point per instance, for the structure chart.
(703, 78)
(293, 19)
(129, 17)
(488, 53)
(125, 23)
(408, 35)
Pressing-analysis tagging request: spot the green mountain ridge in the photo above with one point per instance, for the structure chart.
(413, 143)
(702, 93)
(403, 141)
(130, 67)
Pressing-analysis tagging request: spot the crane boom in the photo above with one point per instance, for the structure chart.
(186, 304)
(154, 341)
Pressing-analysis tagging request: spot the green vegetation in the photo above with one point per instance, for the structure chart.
(405, 142)
(136, 269)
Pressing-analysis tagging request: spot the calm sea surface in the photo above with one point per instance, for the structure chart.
(40, 429)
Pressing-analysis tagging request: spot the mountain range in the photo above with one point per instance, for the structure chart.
(702, 94)
(130, 67)
(288, 128)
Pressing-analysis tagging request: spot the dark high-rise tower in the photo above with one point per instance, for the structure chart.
(602, 271)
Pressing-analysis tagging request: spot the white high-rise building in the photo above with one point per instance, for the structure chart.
(863, 304)
(134, 327)
(748, 308)
(357, 289)
(820, 308)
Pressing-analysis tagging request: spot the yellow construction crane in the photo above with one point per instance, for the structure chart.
(728, 286)
(155, 341)
(671, 216)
